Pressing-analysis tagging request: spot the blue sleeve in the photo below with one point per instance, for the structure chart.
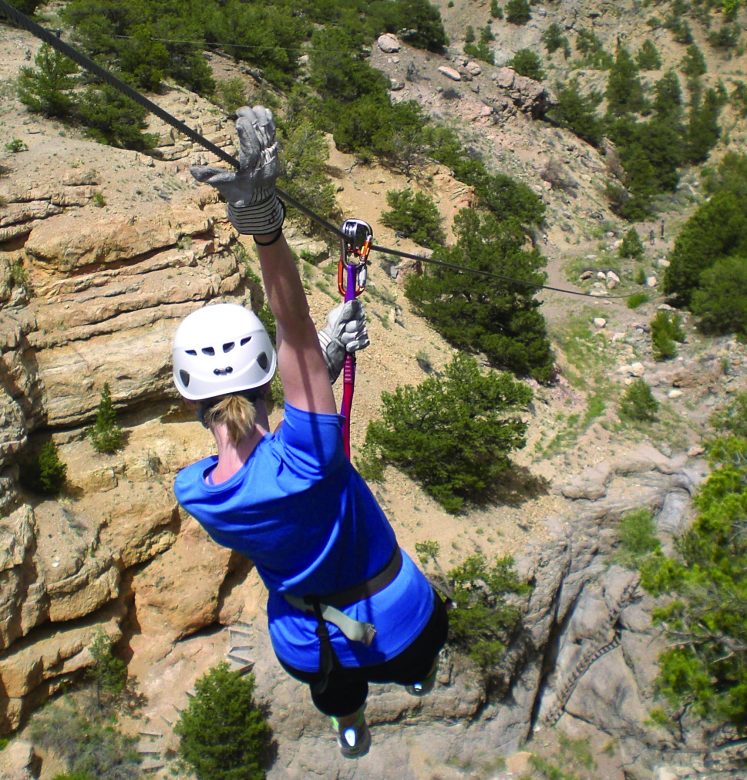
(311, 442)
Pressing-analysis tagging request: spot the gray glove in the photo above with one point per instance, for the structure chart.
(344, 333)
(253, 206)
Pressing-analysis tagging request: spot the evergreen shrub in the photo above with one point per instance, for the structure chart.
(666, 330)
(452, 433)
(632, 246)
(415, 215)
(638, 403)
(527, 62)
(518, 11)
(486, 616)
(223, 732)
(106, 435)
(43, 472)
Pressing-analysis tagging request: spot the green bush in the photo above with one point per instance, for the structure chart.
(108, 673)
(498, 317)
(693, 64)
(15, 146)
(717, 229)
(624, 88)
(666, 330)
(638, 403)
(527, 62)
(452, 434)
(726, 37)
(738, 98)
(415, 215)
(636, 299)
(112, 118)
(731, 419)
(632, 246)
(495, 10)
(43, 472)
(637, 535)
(577, 112)
(304, 177)
(90, 747)
(223, 732)
(48, 88)
(26, 6)
(592, 51)
(483, 621)
(231, 94)
(720, 302)
(704, 670)
(554, 39)
(648, 56)
(518, 11)
(106, 435)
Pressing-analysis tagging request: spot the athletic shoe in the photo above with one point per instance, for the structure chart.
(425, 686)
(355, 740)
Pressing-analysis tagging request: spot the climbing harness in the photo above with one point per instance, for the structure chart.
(328, 609)
(352, 274)
(88, 64)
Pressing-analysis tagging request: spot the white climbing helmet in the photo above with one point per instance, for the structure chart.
(219, 349)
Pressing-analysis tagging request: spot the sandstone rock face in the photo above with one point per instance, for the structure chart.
(102, 293)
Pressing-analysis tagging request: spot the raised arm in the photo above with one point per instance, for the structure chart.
(301, 365)
(255, 210)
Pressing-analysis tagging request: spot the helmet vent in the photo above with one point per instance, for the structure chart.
(192, 352)
(245, 340)
(223, 371)
(229, 346)
(184, 376)
(208, 351)
(263, 361)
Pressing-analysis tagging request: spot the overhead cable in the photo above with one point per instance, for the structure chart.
(108, 77)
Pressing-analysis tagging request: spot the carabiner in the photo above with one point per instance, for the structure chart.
(355, 246)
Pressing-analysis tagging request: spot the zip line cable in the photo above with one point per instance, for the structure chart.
(107, 76)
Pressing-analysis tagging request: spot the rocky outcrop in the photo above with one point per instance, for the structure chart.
(95, 297)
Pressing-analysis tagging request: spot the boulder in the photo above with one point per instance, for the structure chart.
(450, 73)
(388, 43)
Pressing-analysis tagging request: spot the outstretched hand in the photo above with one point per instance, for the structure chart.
(253, 206)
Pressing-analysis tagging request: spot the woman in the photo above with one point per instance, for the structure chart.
(346, 606)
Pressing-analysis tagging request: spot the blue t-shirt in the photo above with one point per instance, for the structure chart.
(311, 525)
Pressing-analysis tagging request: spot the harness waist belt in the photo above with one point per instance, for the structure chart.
(326, 607)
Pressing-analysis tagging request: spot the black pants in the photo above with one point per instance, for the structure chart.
(347, 688)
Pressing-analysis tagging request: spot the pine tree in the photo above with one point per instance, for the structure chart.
(527, 62)
(52, 471)
(518, 11)
(648, 56)
(693, 63)
(624, 89)
(631, 246)
(47, 89)
(106, 435)
(577, 112)
(703, 129)
(498, 318)
(638, 403)
(223, 732)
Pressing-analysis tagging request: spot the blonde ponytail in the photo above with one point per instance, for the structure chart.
(236, 412)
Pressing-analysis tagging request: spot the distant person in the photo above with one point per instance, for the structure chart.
(346, 605)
